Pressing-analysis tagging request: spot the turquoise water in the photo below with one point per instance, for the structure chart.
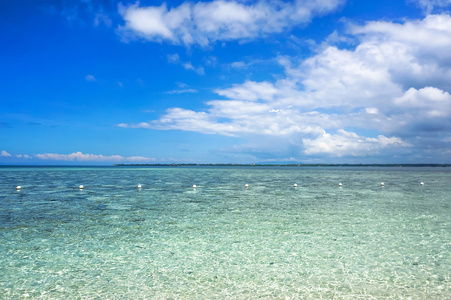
(221, 240)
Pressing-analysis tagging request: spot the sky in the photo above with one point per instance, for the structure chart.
(85, 82)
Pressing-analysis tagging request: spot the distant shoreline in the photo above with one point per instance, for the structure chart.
(282, 165)
(231, 165)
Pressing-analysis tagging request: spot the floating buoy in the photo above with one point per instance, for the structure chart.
(246, 186)
(139, 186)
(194, 186)
(18, 187)
(382, 184)
(81, 187)
(295, 185)
(421, 183)
(340, 185)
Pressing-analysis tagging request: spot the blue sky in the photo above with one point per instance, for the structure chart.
(326, 81)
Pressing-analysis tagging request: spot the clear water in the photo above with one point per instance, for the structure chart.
(221, 240)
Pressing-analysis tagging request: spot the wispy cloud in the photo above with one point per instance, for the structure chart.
(90, 78)
(202, 23)
(246, 63)
(82, 12)
(239, 65)
(429, 5)
(198, 70)
(175, 59)
(102, 18)
(183, 91)
(79, 156)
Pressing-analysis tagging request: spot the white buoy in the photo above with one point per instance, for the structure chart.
(382, 184)
(194, 186)
(295, 185)
(81, 187)
(246, 186)
(18, 187)
(340, 185)
(421, 183)
(139, 186)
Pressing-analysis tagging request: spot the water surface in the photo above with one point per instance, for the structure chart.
(221, 240)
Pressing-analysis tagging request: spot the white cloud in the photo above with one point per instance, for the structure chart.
(247, 63)
(184, 119)
(149, 21)
(372, 110)
(205, 22)
(183, 88)
(415, 54)
(182, 91)
(79, 156)
(5, 154)
(389, 92)
(188, 66)
(429, 5)
(138, 159)
(432, 35)
(250, 91)
(433, 102)
(346, 143)
(90, 78)
(83, 12)
(173, 58)
(198, 70)
(102, 18)
(239, 65)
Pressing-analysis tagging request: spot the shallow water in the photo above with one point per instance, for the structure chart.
(167, 240)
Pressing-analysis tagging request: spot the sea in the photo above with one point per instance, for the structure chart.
(223, 239)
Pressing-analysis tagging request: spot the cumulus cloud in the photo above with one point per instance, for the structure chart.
(346, 143)
(415, 54)
(79, 156)
(433, 102)
(428, 36)
(5, 154)
(388, 93)
(205, 22)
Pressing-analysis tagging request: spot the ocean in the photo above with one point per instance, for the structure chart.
(223, 240)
